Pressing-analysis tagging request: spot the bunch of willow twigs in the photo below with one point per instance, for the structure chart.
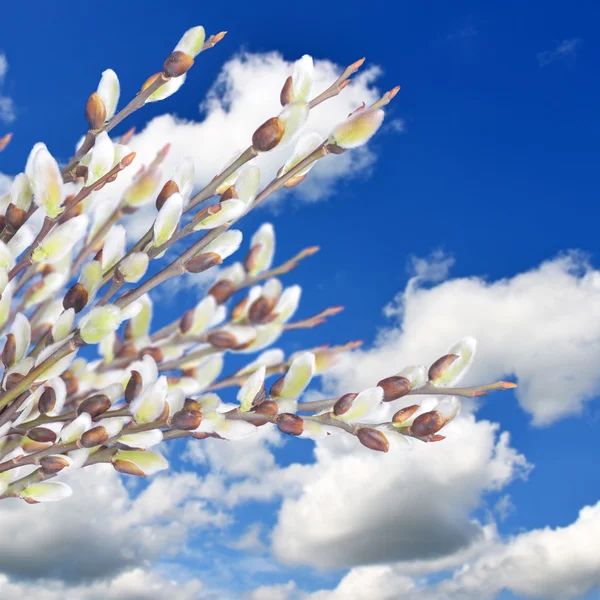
(68, 281)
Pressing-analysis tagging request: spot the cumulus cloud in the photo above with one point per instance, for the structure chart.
(7, 107)
(541, 327)
(358, 507)
(135, 584)
(244, 95)
(542, 563)
(103, 528)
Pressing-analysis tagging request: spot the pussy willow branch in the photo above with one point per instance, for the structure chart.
(248, 154)
(249, 280)
(177, 266)
(22, 386)
(135, 104)
(49, 222)
(428, 389)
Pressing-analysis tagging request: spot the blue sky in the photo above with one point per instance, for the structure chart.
(488, 156)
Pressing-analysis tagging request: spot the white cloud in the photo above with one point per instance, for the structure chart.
(542, 563)
(135, 584)
(565, 49)
(541, 326)
(245, 94)
(7, 107)
(103, 528)
(358, 507)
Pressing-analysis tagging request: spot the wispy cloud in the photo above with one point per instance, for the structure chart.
(7, 106)
(467, 32)
(564, 49)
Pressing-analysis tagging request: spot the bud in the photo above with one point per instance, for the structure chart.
(260, 309)
(287, 93)
(343, 404)
(177, 64)
(95, 111)
(109, 91)
(134, 387)
(268, 135)
(154, 352)
(252, 392)
(373, 439)
(9, 352)
(203, 262)
(94, 405)
(427, 424)
(100, 322)
(167, 191)
(47, 181)
(165, 90)
(76, 428)
(394, 387)
(267, 407)
(229, 194)
(298, 376)
(42, 434)
(54, 463)
(293, 117)
(127, 467)
(95, 436)
(13, 380)
(305, 146)
(276, 388)
(59, 242)
(302, 77)
(192, 41)
(47, 401)
(404, 414)
(228, 210)
(222, 339)
(464, 350)
(290, 423)
(47, 491)
(15, 217)
(167, 220)
(437, 369)
(222, 290)
(134, 266)
(139, 462)
(186, 419)
(260, 257)
(102, 159)
(357, 129)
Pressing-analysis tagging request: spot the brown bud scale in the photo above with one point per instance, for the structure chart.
(290, 423)
(394, 387)
(47, 401)
(94, 437)
(76, 298)
(373, 439)
(287, 92)
(15, 217)
(95, 111)
(405, 413)
(94, 405)
(41, 434)
(186, 419)
(343, 404)
(427, 424)
(268, 135)
(440, 365)
(9, 352)
(177, 64)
